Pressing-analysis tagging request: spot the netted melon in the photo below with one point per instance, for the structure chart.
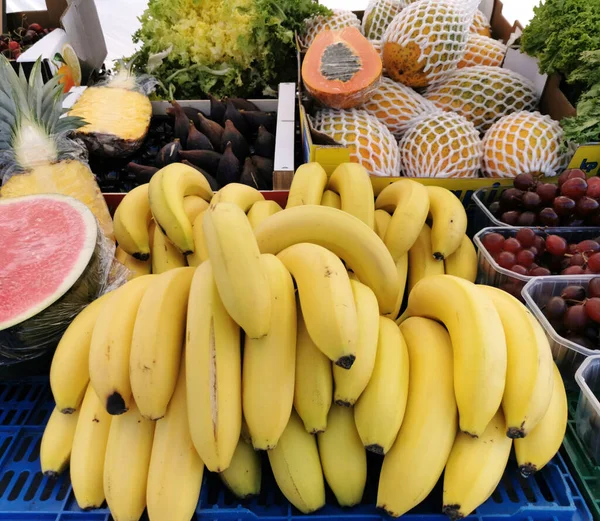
(480, 24)
(339, 19)
(441, 144)
(379, 15)
(482, 50)
(396, 106)
(370, 142)
(524, 142)
(483, 94)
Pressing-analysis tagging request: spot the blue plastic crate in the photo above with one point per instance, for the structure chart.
(26, 495)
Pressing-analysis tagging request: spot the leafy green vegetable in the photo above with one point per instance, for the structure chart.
(225, 47)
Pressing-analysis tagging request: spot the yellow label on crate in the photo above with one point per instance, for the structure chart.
(587, 158)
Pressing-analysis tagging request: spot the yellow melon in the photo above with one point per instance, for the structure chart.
(339, 19)
(378, 15)
(480, 24)
(482, 50)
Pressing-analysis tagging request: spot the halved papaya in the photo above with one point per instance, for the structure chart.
(341, 68)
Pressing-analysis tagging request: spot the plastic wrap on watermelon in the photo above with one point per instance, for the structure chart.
(54, 261)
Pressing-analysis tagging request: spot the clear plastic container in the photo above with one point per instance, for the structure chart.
(482, 198)
(567, 354)
(587, 416)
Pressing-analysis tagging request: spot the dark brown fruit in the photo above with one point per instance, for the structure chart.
(574, 188)
(217, 109)
(531, 200)
(573, 293)
(511, 218)
(555, 308)
(527, 219)
(539, 272)
(548, 217)
(243, 104)
(511, 198)
(524, 182)
(181, 126)
(264, 145)
(546, 191)
(570, 174)
(576, 318)
(214, 185)
(564, 206)
(586, 206)
(143, 173)
(236, 118)
(250, 176)
(197, 140)
(256, 118)
(206, 159)
(168, 154)
(573, 270)
(594, 287)
(229, 167)
(264, 166)
(238, 142)
(211, 129)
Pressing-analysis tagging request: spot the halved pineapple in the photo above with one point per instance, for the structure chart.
(118, 116)
(36, 156)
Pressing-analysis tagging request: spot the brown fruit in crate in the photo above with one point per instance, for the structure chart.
(235, 116)
(211, 129)
(238, 142)
(229, 167)
(396, 106)
(483, 94)
(369, 141)
(379, 15)
(441, 145)
(341, 68)
(181, 125)
(339, 19)
(264, 145)
(207, 159)
(523, 142)
(480, 24)
(197, 140)
(425, 41)
(482, 50)
(168, 154)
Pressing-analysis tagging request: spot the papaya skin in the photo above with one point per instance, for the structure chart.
(404, 64)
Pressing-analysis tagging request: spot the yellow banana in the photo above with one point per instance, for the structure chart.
(89, 450)
(244, 474)
(241, 195)
(345, 235)
(166, 192)
(350, 383)
(308, 185)
(402, 268)
(193, 205)
(380, 408)
(131, 220)
(449, 221)
(57, 442)
(408, 203)
(200, 252)
(529, 373)
(69, 372)
(176, 470)
(475, 467)
(165, 255)
(111, 345)
(382, 221)
(270, 362)
(314, 381)
(126, 464)
(422, 447)
(135, 266)
(542, 443)
(157, 341)
(463, 262)
(261, 210)
(477, 339)
(352, 182)
(421, 263)
(343, 457)
(297, 468)
(236, 267)
(330, 198)
(213, 373)
(326, 300)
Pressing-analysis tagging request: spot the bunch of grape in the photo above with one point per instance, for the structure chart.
(575, 314)
(574, 201)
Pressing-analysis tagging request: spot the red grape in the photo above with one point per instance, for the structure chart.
(526, 237)
(521, 270)
(540, 244)
(594, 263)
(563, 206)
(556, 245)
(525, 258)
(572, 249)
(511, 218)
(506, 259)
(511, 198)
(573, 270)
(546, 191)
(570, 174)
(588, 246)
(586, 206)
(555, 308)
(548, 217)
(574, 188)
(594, 287)
(533, 250)
(511, 244)
(527, 219)
(573, 293)
(533, 266)
(588, 271)
(592, 308)
(531, 200)
(493, 242)
(494, 208)
(593, 187)
(539, 272)
(524, 181)
(577, 260)
(576, 318)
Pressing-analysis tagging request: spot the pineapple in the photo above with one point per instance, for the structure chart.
(370, 142)
(35, 154)
(483, 94)
(118, 116)
(378, 15)
(481, 25)
(482, 50)
(338, 20)
(441, 144)
(524, 142)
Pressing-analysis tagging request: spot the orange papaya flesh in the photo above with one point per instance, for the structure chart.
(341, 68)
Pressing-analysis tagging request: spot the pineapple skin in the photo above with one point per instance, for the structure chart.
(69, 177)
(118, 120)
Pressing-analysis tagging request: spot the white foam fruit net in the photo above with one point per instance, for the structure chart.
(524, 142)
(370, 142)
(338, 20)
(480, 24)
(396, 106)
(441, 144)
(378, 15)
(427, 40)
(483, 94)
(482, 50)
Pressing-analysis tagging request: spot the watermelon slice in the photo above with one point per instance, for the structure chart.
(53, 262)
